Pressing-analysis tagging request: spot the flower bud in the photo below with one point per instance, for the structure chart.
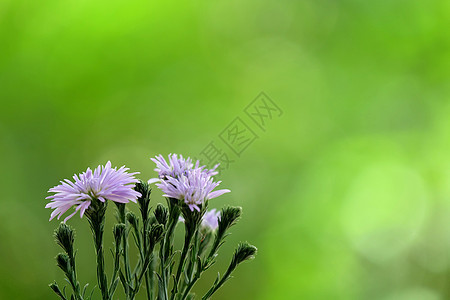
(62, 260)
(118, 232)
(65, 237)
(161, 214)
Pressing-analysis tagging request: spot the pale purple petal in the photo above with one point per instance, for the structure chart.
(153, 180)
(217, 193)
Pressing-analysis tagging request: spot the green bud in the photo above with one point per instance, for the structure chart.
(143, 188)
(161, 214)
(244, 252)
(120, 212)
(118, 232)
(54, 286)
(152, 220)
(132, 219)
(228, 217)
(156, 234)
(62, 260)
(65, 237)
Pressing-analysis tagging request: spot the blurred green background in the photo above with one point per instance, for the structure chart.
(346, 195)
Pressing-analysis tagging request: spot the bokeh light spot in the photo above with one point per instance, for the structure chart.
(385, 208)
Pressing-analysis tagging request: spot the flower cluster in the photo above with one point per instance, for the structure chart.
(188, 187)
(182, 180)
(105, 183)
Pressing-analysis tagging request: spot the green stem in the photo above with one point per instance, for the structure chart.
(163, 290)
(191, 267)
(144, 201)
(148, 286)
(214, 248)
(144, 269)
(166, 245)
(151, 278)
(187, 242)
(75, 284)
(126, 260)
(189, 287)
(215, 287)
(73, 277)
(194, 255)
(112, 287)
(96, 216)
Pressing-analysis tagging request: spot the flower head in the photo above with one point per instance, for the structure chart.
(105, 183)
(211, 219)
(181, 179)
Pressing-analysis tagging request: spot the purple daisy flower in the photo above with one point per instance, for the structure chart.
(180, 179)
(211, 219)
(105, 183)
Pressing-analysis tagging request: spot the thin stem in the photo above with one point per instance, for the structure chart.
(163, 289)
(215, 287)
(166, 245)
(151, 278)
(144, 269)
(148, 286)
(75, 284)
(146, 257)
(126, 260)
(189, 287)
(112, 287)
(126, 257)
(144, 201)
(214, 248)
(96, 217)
(191, 267)
(102, 280)
(194, 254)
(187, 242)
(191, 225)
(243, 252)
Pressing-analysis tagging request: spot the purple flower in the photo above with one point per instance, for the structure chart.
(211, 219)
(105, 183)
(180, 179)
